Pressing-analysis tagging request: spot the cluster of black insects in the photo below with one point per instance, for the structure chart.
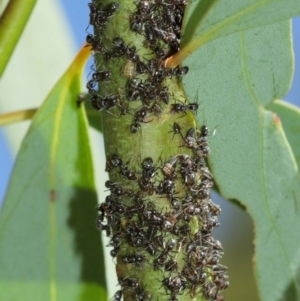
(159, 22)
(160, 236)
(129, 216)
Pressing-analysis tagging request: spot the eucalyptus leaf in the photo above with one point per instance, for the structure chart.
(49, 246)
(208, 20)
(234, 78)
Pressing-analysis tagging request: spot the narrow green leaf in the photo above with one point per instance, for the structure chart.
(12, 23)
(290, 118)
(237, 76)
(49, 246)
(209, 20)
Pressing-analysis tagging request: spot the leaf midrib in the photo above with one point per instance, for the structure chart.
(52, 183)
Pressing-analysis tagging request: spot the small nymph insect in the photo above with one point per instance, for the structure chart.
(129, 69)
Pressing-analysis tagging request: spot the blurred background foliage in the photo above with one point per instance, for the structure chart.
(40, 58)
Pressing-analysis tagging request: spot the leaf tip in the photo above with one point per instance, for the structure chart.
(82, 56)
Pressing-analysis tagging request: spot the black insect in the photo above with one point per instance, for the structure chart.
(182, 108)
(95, 43)
(134, 127)
(164, 95)
(148, 92)
(124, 108)
(191, 138)
(210, 290)
(168, 14)
(137, 259)
(221, 281)
(176, 129)
(103, 227)
(107, 55)
(156, 109)
(163, 256)
(215, 244)
(141, 294)
(136, 23)
(114, 161)
(103, 15)
(175, 284)
(174, 203)
(203, 148)
(159, 241)
(171, 265)
(132, 90)
(100, 103)
(159, 52)
(92, 85)
(134, 209)
(192, 107)
(120, 48)
(97, 77)
(115, 240)
(160, 261)
(115, 188)
(149, 168)
(192, 245)
(111, 8)
(128, 173)
(117, 296)
(136, 234)
(178, 14)
(150, 35)
(151, 232)
(166, 187)
(210, 224)
(93, 13)
(141, 67)
(171, 39)
(139, 116)
(204, 131)
(101, 75)
(153, 217)
(144, 7)
(169, 221)
(180, 71)
(132, 54)
(130, 283)
(153, 66)
(150, 248)
(114, 252)
(189, 177)
(159, 76)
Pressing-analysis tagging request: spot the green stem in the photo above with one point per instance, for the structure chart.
(12, 24)
(159, 198)
(154, 139)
